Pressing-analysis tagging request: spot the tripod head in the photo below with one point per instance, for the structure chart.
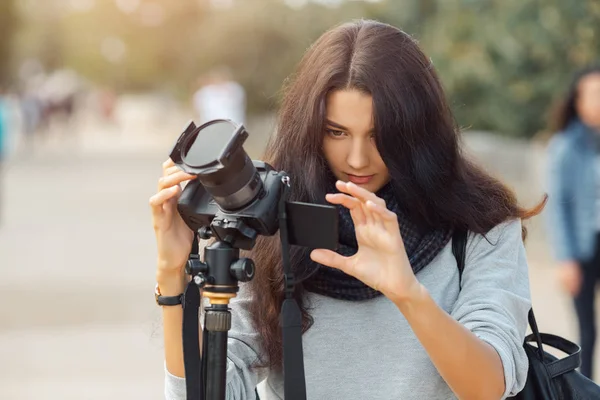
(222, 268)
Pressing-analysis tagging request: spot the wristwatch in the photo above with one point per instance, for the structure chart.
(166, 300)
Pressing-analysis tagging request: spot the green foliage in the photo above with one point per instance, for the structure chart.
(502, 62)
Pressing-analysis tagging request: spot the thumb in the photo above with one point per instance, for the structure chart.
(331, 259)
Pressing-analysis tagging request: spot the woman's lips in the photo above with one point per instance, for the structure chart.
(360, 179)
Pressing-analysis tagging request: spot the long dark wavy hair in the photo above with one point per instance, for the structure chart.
(416, 137)
(564, 110)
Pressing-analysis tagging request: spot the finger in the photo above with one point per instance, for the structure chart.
(367, 213)
(167, 164)
(352, 204)
(331, 259)
(171, 170)
(170, 206)
(347, 187)
(388, 218)
(174, 179)
(356, 191)
(373, 210)
(156, 202)
(343, 199)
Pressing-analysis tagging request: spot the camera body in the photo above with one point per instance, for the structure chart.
(234, 199)
(199, 210)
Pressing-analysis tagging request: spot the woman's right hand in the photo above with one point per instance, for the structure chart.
(173, 236)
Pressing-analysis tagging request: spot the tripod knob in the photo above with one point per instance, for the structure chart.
(243, 269)
(194, 266)
(205, 233)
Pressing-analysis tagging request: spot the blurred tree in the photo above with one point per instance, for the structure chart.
(501, 61)
(8, 25)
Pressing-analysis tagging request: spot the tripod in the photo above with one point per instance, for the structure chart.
(218, 277)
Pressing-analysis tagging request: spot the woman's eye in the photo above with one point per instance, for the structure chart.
(335, 133)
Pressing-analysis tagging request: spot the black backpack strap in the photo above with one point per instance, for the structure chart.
(459, 249)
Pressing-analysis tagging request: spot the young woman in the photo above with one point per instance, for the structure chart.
(574, 207)
(364, 125)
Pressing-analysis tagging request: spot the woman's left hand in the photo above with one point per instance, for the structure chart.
(381, 261)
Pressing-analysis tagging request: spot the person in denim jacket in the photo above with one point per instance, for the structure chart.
(574, 201)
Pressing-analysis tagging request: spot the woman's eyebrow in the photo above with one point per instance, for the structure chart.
(342, 127)
(336, 125)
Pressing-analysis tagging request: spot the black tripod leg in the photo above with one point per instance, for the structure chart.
(204, 357)
(218, 323)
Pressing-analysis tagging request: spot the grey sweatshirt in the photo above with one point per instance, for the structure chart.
(367, 350)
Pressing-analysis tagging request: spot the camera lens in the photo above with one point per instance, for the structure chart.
(215, 153)
(206, 143)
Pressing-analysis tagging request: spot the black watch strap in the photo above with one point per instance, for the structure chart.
(166, 300)
(169, 300)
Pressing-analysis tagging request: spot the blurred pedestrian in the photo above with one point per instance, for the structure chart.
(220, 97)
(31, 108)
(3, 140)
(3, 127)
(574, 202)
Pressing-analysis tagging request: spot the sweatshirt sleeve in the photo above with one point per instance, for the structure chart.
(243, 349)
(495, 298)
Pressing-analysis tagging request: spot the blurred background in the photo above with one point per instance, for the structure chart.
(94, 92)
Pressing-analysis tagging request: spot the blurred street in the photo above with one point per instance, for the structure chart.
(77, 262)
(77, 276)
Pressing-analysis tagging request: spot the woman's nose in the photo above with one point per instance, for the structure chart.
(358, 157)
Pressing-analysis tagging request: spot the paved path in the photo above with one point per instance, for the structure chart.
(77, 272)
(77, 262)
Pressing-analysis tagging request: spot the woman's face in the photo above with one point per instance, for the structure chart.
(349, 140)
(588, 100)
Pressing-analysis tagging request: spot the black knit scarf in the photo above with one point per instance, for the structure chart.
(421, 247)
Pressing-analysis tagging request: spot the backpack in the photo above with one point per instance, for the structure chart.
(548, 378)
